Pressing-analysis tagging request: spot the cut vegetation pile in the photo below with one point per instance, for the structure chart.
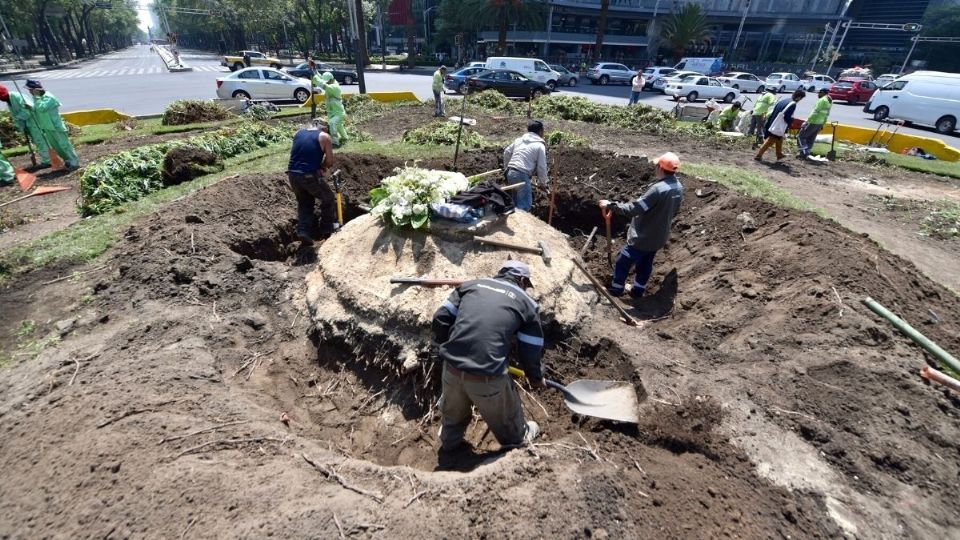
(192, 111)
(445, 134)
(129, 175)
(637, 117)
(9, 135)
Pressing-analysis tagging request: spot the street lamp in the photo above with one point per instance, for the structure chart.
(426, 21)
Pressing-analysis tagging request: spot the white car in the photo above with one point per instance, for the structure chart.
(885, 79)
(660, 83)
(651, 74)
(263, 83)
(815, 83)
(783, 82)
(695, 87)
(745, 82)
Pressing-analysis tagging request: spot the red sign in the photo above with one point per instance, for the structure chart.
(401, 12)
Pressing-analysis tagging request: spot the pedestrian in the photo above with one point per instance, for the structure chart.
(778, 123)
(728, 117)
(47, 108)
(246, 58)
(636, 86)
(311, 156)
(476, 328)
(524, 158)
(818, 117)
(759, 115)
(336, 114)
(25, 120)
(438, 91)
(650, 218)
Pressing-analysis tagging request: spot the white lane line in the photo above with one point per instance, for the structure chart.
(140, 71)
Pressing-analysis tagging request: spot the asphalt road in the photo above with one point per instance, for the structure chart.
(135, 81)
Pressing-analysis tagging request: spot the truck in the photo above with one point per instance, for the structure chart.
(257, 58)
(930, 98)
(531, 68)
(707, 66)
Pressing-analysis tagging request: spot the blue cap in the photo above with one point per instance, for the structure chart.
(516, 268)
(34, 84)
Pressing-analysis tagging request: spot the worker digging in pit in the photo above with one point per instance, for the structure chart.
(524, 158)
(47, 109)
(476, 328)
(650, 218)
(311, 156)
(25, 121)
(334, 102)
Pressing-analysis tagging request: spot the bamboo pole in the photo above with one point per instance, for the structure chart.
(913, 334)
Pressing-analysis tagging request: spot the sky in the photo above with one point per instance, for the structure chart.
(143, 12)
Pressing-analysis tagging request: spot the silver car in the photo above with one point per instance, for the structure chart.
(608, 72)
(660, 83)
(745, 82)
(567, 77)
(263, 83)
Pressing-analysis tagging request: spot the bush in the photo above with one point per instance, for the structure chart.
(445, 134)
(562, 138)
(637, 117)
(191, 111)
(494, 101)
(362, 107)
(9, 135)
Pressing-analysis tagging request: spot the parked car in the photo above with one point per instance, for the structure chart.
(853, 91)
(257, 58)
(923, 97)
(885, 79)
(858, 73)
(343, 76)
(509, 83)
(651, 74)
(745, 82)
(783, 82)
(660, 83)
(813, 83)
(567, 77)
(695, 87)
(531, 68)
(264, 84)
(608, 72)
(457, 81)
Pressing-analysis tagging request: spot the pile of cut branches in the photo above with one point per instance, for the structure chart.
(192, 111)
(445, 134)
(9, 135)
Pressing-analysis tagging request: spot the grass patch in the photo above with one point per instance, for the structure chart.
(912, 163)
(407, 151)
(750, 183)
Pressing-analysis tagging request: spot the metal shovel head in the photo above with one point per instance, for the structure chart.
(610, 400)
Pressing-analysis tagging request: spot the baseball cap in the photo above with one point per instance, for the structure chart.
(516, 268)
(34, 84)
(669, 162)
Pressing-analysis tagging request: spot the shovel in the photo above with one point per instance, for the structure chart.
(337, 184)
(609, 400)
(607, 216)
(832, 154)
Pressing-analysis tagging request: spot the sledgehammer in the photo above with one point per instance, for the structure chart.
(542, 249)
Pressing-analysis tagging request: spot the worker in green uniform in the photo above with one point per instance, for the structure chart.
(811, 128)
(335, 113)
(438, 91)
(728, 117)
(759, 115)
(25, 121)
(47, 109)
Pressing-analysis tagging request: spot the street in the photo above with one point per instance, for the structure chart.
(135, 81)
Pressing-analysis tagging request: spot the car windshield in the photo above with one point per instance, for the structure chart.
(775, 76)
(688, 78)
(649, 70)
(558, 69)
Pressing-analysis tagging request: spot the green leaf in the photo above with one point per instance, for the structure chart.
(419, 220)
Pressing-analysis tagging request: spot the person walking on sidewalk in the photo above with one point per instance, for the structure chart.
(811, 128)
(438, 91)
(650, 219)
(524, 158)
(25, 121)
(759, 115)
(336, 115)
(636, 87)
(778, 123)
(311, 156)
(476, 328)
(47, 107)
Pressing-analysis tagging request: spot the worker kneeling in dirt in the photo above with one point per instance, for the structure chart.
(728, 118)
(310, 157)
(525, 157)
(476, 327)
(650, 218)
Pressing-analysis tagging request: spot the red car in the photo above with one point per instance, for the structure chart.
(852, 91)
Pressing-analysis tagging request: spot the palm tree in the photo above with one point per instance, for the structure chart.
(499, 13)
(686, 26)
(601, 28)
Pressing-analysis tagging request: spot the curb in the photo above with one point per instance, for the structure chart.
(167, 58)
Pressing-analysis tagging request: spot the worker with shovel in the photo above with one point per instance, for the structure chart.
(818, 117)
(310, 157)
(476, 328)
(47, 107)
(650, 218)
(524, 158)
(335, 111)
(25, 121)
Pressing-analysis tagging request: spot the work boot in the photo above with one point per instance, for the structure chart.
(305, 238)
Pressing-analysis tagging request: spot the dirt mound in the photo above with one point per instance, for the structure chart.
(185, 163)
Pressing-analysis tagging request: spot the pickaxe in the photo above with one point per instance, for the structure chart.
(542, 248)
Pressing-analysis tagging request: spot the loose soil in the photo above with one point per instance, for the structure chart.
(186, 393)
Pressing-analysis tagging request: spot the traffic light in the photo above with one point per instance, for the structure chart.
(912, 27)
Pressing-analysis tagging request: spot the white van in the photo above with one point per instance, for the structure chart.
(532, 68)
(924, 97)
(707, 66)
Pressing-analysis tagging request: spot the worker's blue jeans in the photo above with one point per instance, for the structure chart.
(523, 198)
(630, 257)
(634, 98)
(438, 103)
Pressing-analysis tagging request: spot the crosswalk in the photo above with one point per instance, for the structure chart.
(89, 73)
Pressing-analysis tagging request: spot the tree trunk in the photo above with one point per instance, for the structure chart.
(411, 34)
(502, 32)
(601, 28)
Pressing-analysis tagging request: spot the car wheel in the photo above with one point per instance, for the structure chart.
(729, 98)
(761, 89)
(604, 80)
(238, 65)
(946, 125)
(240, 94)
(692, 96)
(573, 81)
(536, 93)
(348, 80)
(881, 113)
(781, 89)
(301, 95)
(552, 85)
(462, 89)
(737, 86)
(811, 89)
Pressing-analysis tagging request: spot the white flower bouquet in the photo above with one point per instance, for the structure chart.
(405, 198)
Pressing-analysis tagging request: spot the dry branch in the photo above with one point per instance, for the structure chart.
(227, 441)
(199, 431)
(132, 412)
(333, 475)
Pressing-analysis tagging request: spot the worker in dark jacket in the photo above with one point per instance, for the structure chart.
(310, 157)
(650, 218)
(476, 328)
(774, 129)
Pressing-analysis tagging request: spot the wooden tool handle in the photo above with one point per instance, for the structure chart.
(602, 290)
(508, 245)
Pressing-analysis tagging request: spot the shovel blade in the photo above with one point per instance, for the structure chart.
(610, 400)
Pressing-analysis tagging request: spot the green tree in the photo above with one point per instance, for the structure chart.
(684, 27)
(943, 21)
(480, 14)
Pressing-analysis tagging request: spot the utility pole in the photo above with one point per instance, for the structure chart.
(816, 57)
(736, 40)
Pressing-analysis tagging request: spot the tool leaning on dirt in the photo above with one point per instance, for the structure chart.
(476, 328)
(542, 248)
(607, 400)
